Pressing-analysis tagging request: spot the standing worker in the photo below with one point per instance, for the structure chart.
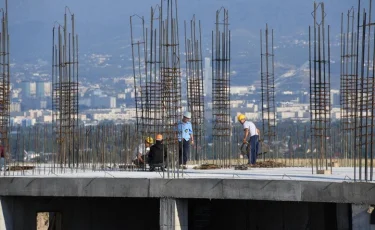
(185, 138)
(250, 128)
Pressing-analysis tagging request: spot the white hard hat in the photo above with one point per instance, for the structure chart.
(187, 114)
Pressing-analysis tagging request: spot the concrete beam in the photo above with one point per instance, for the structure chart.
(273, 190)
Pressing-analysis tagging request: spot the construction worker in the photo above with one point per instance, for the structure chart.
(185, 138)
(141, 152)
(158, 154)
(250, 130)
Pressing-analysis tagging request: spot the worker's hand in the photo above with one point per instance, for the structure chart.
(244, 141)
(192, 142)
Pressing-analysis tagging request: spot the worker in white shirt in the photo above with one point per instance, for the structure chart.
(250, 130)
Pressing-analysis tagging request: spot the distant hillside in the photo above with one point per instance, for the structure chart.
(103, 27)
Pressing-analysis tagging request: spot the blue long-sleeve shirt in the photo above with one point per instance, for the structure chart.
(184, 130)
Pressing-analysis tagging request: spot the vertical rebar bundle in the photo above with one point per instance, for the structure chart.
(221, 117)
(364, 92)
(138, 58)
(171, 81)
(65, 91)
(4, 80)
(157, 77)
(347, 83)
(194, 81)
(153, 60)
(320, 101)
(268, 91)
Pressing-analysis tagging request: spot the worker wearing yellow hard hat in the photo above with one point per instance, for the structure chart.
(149, 140)
(141, 152)
(250, 130)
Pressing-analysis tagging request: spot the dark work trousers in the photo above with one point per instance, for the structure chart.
(183, 150)
(254, 145)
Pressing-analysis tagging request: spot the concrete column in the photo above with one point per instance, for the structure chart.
(173, 214)
(6, 220)
(361, 218)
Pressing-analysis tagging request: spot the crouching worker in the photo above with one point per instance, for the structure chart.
(158, 154)
(142, 151)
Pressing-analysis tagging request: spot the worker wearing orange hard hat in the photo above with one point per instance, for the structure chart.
(158, 154)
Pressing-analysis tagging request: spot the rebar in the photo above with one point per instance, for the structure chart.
(221, 117)
(347, 84)
(364, 95)
(65, 91)
(195, 93)
(171, 83)
(320, 101)
(4, 82)
(157, 79)
(268, 92)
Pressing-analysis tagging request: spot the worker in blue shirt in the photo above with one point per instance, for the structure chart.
(185, 138)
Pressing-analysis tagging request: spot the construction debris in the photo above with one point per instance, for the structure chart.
(268, 164)
(207, 166)
(241, 167)
(20, 168)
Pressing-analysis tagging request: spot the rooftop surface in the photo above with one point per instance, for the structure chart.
(289, 173)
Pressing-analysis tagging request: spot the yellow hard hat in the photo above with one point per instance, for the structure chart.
(241, 117)
(149, 140)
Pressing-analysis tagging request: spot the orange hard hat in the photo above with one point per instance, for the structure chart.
(159, 137)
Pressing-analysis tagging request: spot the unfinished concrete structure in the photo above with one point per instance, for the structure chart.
(223, 199)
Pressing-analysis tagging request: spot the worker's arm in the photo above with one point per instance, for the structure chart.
(140, 157)
(245, 135)
(191, 134)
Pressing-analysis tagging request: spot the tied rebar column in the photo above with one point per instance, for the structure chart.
(195, 94)
(141, 83)
(268, 92)
(153, 60)
(65, 91)
(171, 84)
(347, 84)
(138, 59)
(4, 82)
(364, 92)
(221, 127)
(320, 101)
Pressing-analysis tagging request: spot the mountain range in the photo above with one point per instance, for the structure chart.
(103, 28)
